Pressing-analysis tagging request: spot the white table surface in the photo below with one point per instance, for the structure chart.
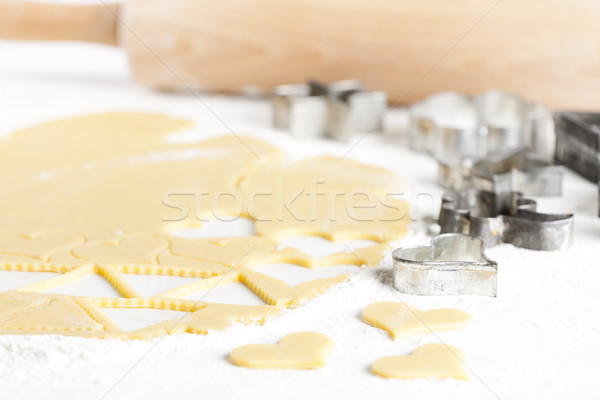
(540, 338)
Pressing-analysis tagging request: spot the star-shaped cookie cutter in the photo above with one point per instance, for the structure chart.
(446, 125)
(337, 110)
(520, 171)
(454, 264)
(461, 132)
(452, 126)
(506, 217)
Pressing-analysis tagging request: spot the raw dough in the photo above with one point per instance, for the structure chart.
(356, 196)
(276, 292)
(35, 313)
(301, 350)
(434, 360)
(101, 194)
(404, 320)
(54, 313)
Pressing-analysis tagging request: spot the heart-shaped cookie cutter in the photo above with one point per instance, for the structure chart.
(506, 217)
(337, 110)
(454, 264)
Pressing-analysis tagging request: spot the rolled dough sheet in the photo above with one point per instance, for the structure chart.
(102, 194)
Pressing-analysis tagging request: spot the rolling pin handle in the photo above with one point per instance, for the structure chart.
(24, 20)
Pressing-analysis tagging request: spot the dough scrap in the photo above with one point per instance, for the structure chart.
(220, 316)
(434, 360)
(279, 293)
(206, 317)
(300, 350)
(404, 320)
(47, 312)
(102, 194)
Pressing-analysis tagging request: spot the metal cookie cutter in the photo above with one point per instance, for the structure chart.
(454, 264)
(504, 218)
(520, 171)
(459, 131)
(578, 143)
(352, 109)
(337, 110)
(505, 121)
(452, 126)
(446, 125)
(299, 110)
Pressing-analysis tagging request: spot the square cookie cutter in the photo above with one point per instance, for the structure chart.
(504, 218)
(299, 110)
(578, 142)
(337, 110)
(454, 264)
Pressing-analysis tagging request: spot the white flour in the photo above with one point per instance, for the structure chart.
(539, 339)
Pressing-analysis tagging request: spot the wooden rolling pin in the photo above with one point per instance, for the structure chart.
(547, 51)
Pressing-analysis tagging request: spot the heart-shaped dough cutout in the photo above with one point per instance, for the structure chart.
(434, 360)
(39, 245)
(300, 350)
(141, 249)
(404, 320)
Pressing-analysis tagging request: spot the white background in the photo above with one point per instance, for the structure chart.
(538, 339)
